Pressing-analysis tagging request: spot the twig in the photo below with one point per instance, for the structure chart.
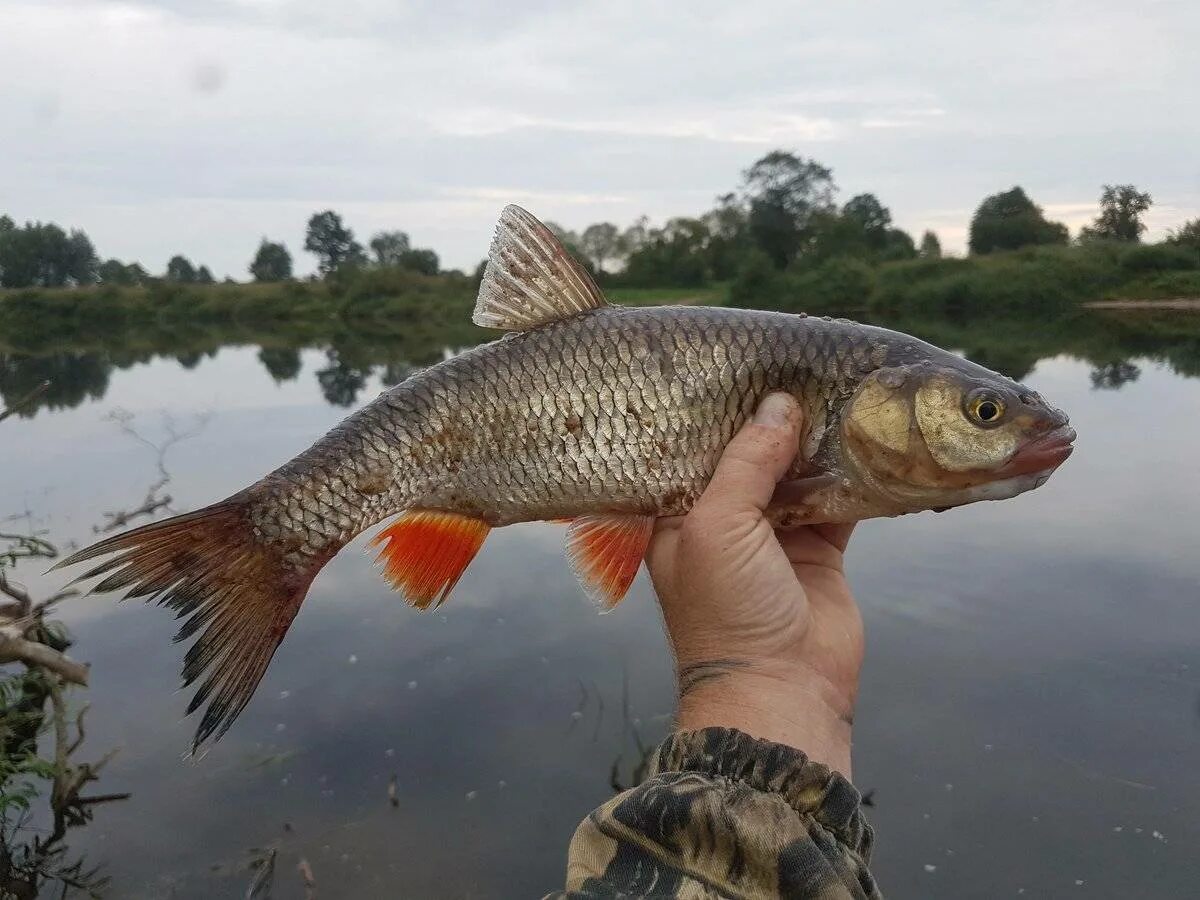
(24, 401)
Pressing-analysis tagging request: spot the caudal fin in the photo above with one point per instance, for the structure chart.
(239, 593)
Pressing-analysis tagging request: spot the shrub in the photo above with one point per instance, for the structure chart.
(1160, 258)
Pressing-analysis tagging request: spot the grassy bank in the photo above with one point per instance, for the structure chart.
(1032, 280)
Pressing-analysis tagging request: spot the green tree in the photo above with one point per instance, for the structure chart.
(272, 262)
(204, 275)
(931, 247)
(332, 243)
(1187, 235)
(420, 260)
(1121, 209)
(389, 248)
(1009, 220)
(636, 235)
(897, 244)
(181, 270)
(871, 218)
(113, 271)
(600, 243)
(43, 255)
(783, 192)
(674, 255)
(729, 240)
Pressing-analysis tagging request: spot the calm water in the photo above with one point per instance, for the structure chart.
(1030, 709)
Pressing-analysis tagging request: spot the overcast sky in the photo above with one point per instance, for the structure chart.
(199, 126)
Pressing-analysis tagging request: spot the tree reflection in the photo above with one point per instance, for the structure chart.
(340, 383)
(1114, 375)
(283, 363)
(79, 367)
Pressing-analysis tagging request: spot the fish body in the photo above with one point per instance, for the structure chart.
(605, 416)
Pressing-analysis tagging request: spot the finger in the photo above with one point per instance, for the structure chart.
(756, 458)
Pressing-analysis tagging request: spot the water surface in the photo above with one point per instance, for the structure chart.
(1029, 719)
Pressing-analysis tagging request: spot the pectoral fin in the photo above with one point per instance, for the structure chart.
(605, 552)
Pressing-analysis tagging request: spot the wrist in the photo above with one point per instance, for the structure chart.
(787, 703)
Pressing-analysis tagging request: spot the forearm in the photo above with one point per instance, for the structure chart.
(789, 704)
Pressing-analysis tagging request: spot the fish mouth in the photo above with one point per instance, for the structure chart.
(1043, 454)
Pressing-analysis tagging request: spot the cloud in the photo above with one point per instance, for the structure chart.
(175, 126)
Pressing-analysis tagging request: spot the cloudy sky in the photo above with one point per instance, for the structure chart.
(198, 126)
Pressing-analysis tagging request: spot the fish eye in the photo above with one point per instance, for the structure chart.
(985, 409)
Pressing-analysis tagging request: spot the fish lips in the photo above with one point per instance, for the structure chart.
(1042, 454)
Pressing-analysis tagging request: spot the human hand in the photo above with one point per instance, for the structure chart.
(766, 634)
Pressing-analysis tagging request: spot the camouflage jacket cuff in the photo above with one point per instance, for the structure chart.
(812, 789)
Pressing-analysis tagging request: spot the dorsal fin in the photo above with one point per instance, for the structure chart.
(531, 278)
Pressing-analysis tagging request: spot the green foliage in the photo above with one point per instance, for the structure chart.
(931, 247)
(784, 191)
(43, 255)
(1121, 209)
(1187, 235)
(204, 276)
(389, 247)
(839, 285)
(332, 243)
(1160, 258)
(180, 270)
(1010, 220)
(674, 254)
(272, 262)
(115, 272)
(600, 243)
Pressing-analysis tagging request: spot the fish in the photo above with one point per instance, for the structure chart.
(602, 416)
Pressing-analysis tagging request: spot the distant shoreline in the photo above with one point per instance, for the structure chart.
(1177, 303)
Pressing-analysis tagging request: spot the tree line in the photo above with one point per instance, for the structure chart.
(41, 254)
(783, 217)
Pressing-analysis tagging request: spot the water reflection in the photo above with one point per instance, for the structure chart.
(1109, 341)
(1027, 713)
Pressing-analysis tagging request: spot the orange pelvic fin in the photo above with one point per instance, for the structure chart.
(605, 552)
(425, 552)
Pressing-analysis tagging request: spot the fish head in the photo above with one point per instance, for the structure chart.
(934, 435)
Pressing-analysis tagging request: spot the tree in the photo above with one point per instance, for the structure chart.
(931, 247)
(673, 255)
(43, 255)
(205, 276)
(1120, 219)
(332, 243)
(871, 218)
(636, 235)
(417, 260)
(601, 242)
(897, 244)
(1187, 235)
(272, 262)
(784, 191)
(389, 248)
(113, 271)
(1009, 220)
(181, 270)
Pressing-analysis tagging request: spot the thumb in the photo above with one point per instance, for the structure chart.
(756, 458)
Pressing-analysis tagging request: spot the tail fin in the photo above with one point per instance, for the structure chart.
(208, 565)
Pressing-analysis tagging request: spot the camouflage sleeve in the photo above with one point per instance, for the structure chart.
(722, 814)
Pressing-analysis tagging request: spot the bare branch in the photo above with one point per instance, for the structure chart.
(15, 647)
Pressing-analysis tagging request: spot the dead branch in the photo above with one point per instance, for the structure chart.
(15, 647)
(154, 500)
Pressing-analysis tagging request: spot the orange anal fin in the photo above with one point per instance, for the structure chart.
(605, 552)
(425, 552)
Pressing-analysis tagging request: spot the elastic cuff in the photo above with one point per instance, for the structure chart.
(810, 788)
